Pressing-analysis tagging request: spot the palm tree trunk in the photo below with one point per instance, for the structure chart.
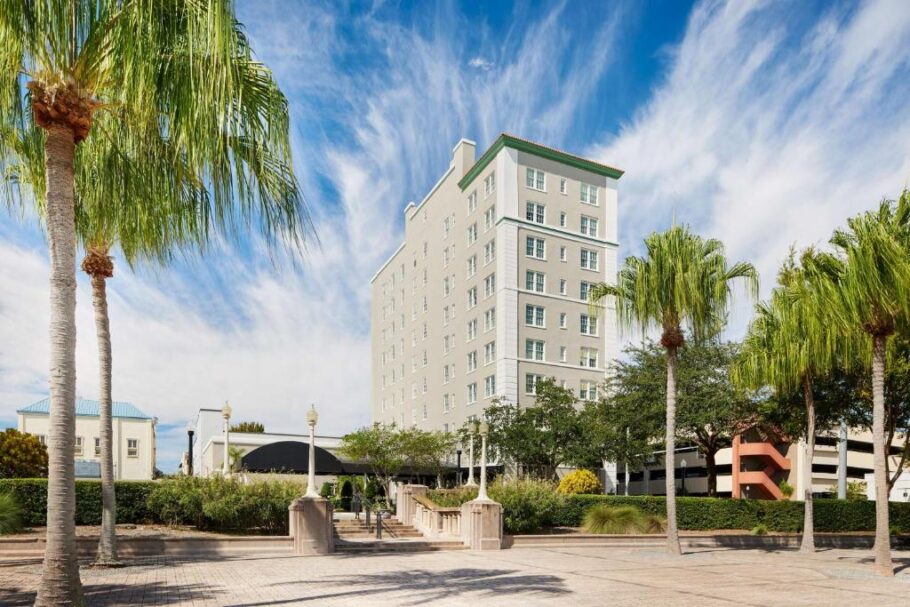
(107, 543)
(808, 542)
(60, 583)
(882, 548)
(673, 546)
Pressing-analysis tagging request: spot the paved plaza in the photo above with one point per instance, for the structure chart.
(522, 576)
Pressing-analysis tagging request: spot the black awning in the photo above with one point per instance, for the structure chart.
(290, 456)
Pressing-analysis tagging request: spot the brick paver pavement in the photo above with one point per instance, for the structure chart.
(521, 576)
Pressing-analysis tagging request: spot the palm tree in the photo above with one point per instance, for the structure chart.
(865, 284)
(682, 282)
(787, 345)
(183, 70)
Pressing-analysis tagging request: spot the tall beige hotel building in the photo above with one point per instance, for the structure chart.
(487, 294)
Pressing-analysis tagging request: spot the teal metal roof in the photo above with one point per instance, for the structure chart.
(89, 408)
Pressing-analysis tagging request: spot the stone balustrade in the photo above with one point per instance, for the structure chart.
(436, 522)
(477, 523)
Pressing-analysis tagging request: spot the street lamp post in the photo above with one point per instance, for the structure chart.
(226, 414)
(458, 467)
(684, 464)
(311, 418)
(484, 430)
(472, 429)
(190, 431)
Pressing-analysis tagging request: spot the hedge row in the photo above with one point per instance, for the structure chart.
(702, 513)
(132, 500)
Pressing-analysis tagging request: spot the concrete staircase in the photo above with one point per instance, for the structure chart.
(353, 536)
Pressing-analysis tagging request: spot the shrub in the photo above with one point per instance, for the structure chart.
(528, 505)
(580, 482)
(21, 455)
(759, 529)
(786, 488)
(10, 514)
(452, 498)
(132, 496)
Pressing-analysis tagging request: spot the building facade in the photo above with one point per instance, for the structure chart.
(488, 292)
(754, 468)
(133, 441)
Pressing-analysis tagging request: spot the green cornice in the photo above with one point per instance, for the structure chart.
(537, 150)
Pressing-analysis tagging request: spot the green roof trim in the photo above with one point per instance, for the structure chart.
(536, 149)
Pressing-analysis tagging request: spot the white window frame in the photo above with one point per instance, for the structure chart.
(589, 225)
(531, 381)
(489, 353)
(489, 320)
(538, 316)
(587, 356)
(562, 320)
(591, 261)
(489, 252)
(489, 218)
(472, 297)
(535, 281)
(538, 250)
(489, 285)
(536, 349)
(472, 266)
(588, 194)
(472, 202)
(536, 212)
(472, 233)
(472, 393)
(489, 184)
(535, 179)
(472, 360)
(563, 186)
(587, 325)
(489, 386)
(472, 329)
(134, 450)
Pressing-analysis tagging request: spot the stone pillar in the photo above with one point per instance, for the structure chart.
(310, 526)
(481, 525)
(405, 502)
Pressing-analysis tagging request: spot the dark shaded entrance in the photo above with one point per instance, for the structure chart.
(290, 456)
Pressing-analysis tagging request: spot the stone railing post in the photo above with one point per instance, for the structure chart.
(481, 524)
(406, 505)
(310, 525)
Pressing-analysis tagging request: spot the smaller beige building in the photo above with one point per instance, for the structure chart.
(134, 437)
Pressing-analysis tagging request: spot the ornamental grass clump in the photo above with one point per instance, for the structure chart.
(622, 520)
(10, 514)
(579, 482)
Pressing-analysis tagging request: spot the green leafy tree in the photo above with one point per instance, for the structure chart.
(865, 284)
(383, 447)
(427, 451)
(184, 108)
(251, 427)
(21, 455)
(710, 408)
(537, 439)
(683, 282)
(787, 346)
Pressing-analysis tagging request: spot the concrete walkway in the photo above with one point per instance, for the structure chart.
(521, 576)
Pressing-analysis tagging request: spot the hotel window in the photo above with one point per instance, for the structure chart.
(424, 358)
(424, 276)
(472, 297)
(425, 248)
(535, 212)
(562, 320)
(424, 388)
(445, 403)
(424, 330)
(472, 233)
(98, 440)
(588, 325)
(589, 194)
(584, 291)
(562, 253)
(489, 218)
(489, 353)
(424, 303)
(534, 316)
(534, 281)
(413, 337)
(588, 225)
(78, 448)
(588, 259)
(562, 354)
(536, 180)
(472, 202)
(489, 386)
(562, 287)
(446, 375)
(446, 227)
(588, 390)
(531, 381)
(472, 361)
(413, 391)
(424, 411)
(489, 285)
(562, 220)
(489, 252)
(535, 247)
(446, 344)
(446, 287)
(489, 319)
(563, 186)
(132, 447)
(534, 349)
(472, 265)
(472, 393)
(472, 329)
(445, 257)
(588, 358)
(489, 184)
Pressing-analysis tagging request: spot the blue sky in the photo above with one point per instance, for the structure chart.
(759, 122)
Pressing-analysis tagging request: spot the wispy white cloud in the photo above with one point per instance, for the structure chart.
(770, 128)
